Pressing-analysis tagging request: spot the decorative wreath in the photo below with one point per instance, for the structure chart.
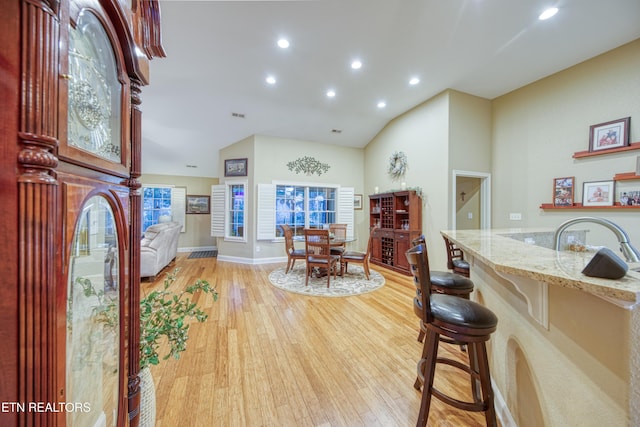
(397, 165)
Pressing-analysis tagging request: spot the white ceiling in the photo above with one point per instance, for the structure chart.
(220, 52)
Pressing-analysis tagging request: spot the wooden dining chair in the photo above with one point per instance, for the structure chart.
(338, 231)
(359, 257)
(318, 249)
(292, 253)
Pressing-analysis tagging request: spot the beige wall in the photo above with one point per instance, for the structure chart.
(536, 130)
(240, 150)
(198, 227)
(268, 157)
(449, 131)
(422, 134)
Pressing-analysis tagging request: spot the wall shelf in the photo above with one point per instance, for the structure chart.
(576, 206)
(582, 154)
(627, 176)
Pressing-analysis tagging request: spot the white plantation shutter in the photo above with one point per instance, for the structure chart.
(344, 214)
(266, 226)
(178, 205)
(218, 197)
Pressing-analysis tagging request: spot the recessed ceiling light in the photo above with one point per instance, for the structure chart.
(414, 81)
(331, 93)
(382, 104)
(548, 13)
(356, 65)
(283, 43)
(271, 80)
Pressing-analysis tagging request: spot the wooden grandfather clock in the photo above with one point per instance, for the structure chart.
(72, 74)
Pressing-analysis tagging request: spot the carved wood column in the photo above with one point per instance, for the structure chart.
(134, 276)
(38, 209)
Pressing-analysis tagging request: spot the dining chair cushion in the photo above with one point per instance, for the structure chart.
(322, 260)
(353, 255)
(298, 252)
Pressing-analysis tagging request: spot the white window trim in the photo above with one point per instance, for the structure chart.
(220, 199)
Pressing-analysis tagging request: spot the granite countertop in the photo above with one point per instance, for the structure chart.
(507, 255)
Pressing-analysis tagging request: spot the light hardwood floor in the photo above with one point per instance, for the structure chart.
(267, 357)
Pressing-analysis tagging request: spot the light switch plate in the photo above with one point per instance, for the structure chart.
(515, 216)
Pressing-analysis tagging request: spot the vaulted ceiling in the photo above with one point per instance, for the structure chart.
(211, 90)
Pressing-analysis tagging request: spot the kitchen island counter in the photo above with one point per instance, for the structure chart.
(567, 348)
(501, 251)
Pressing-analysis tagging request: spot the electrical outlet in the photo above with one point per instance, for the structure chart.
(258, 248)
(515, 216)
(470, 215)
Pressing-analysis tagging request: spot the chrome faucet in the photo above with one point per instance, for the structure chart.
(630, 253)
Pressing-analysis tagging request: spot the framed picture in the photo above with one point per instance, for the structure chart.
(628, 193)
(198, 204)
(357, 202)
(563, 191)
(608, 135)
(597, 193)
(235, 167)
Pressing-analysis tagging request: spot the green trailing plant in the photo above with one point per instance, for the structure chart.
(164, 315)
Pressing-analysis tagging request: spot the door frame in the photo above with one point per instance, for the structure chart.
(485, 196)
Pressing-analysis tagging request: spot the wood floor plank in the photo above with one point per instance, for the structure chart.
(267, 357)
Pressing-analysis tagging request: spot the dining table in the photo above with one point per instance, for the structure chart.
(333, 242)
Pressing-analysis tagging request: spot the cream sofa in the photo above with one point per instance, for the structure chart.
(158, 247)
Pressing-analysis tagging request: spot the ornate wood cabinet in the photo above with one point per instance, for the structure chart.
(398, 217)
(72, 73)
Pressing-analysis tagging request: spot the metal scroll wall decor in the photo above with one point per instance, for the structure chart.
(308, 165)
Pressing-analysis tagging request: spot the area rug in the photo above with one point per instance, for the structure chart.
(204, 254)
(352, 283)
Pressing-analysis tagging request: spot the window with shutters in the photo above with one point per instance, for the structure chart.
(228, 211)
(306, 206)
(296, 204)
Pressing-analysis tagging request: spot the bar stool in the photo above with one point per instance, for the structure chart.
(460, 320)
(455, 258)
(443, 282)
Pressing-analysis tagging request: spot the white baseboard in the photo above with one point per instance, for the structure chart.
(251, 261)
(198, 248)
(502, 411)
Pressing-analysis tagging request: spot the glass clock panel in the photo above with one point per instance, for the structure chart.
(93, 317)
(95, 93)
